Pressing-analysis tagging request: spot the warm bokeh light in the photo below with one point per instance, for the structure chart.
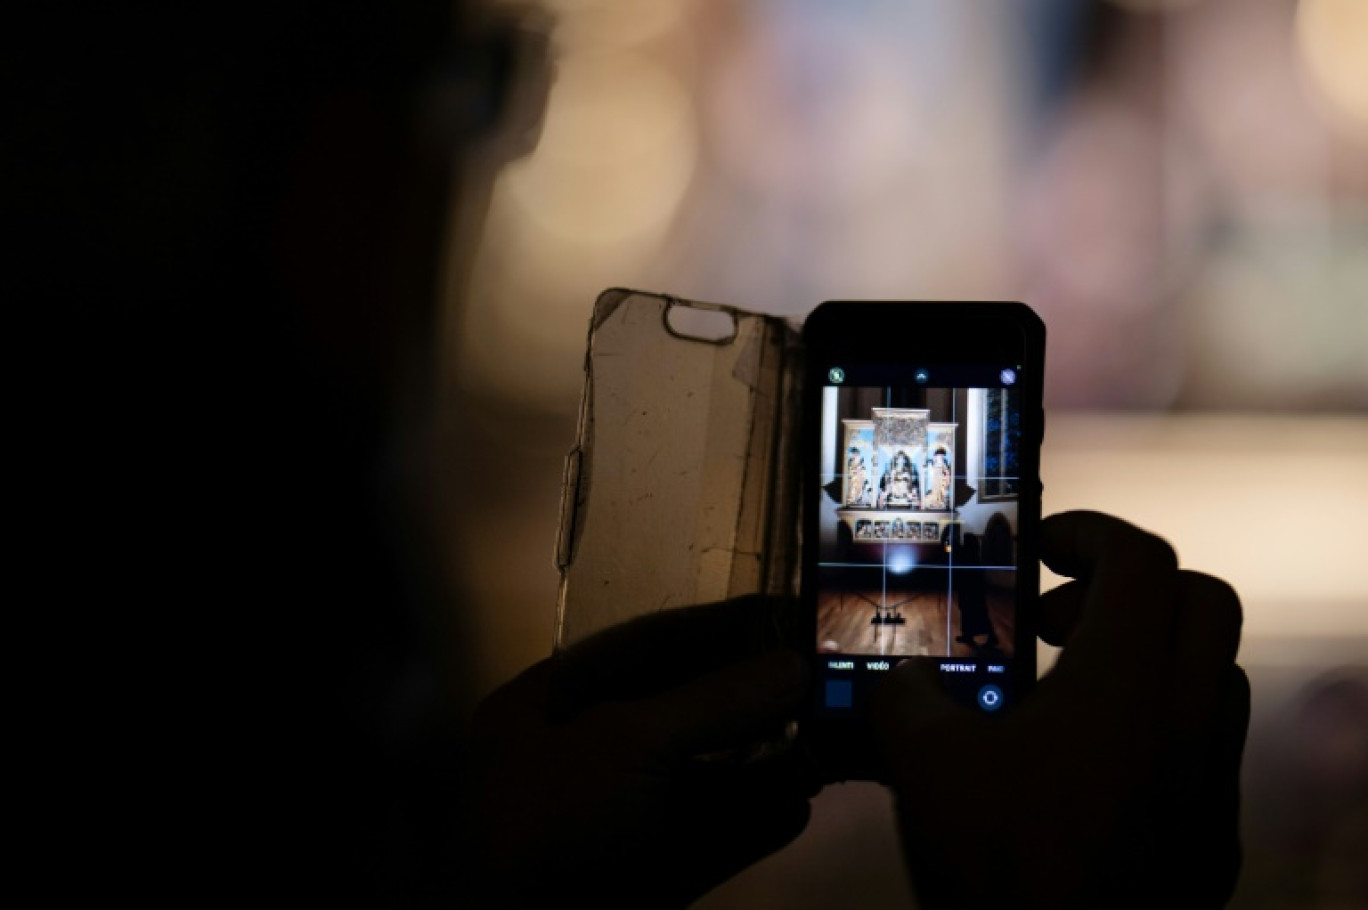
(594, 201)
(1333, 38)
(616, 152)
(1273, 505)
(586, 24)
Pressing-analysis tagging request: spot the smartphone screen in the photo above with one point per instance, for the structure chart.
(923, 501)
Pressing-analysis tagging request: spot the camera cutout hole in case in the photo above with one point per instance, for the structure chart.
(693, 321)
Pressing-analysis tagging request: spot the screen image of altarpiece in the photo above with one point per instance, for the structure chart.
(917, 524)
(898, 478)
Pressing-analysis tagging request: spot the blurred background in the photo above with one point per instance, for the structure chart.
(1178, 187)
(316, 281)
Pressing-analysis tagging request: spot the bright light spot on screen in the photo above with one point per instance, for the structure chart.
(901, 560)
(1332, 36)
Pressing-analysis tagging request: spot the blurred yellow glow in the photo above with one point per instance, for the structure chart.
(1276, 505)
(1333, 38)
(614, 23)
(588, 209)
(616, 154)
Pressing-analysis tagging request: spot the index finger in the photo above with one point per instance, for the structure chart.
(1126, 630)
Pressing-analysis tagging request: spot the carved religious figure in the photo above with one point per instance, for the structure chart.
(901, 488)
(938, 479)
(857, 478)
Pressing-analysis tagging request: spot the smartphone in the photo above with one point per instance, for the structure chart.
(921, 439)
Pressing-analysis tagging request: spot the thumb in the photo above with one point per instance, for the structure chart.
(909, 712)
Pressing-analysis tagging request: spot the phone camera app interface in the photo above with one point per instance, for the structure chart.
(917, 525)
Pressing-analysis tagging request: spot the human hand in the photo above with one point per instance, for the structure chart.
(1116, 782)
(586, 779)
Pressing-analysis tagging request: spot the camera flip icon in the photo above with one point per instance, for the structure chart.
(990, 698)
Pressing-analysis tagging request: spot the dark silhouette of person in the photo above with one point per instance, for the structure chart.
(971, 584)
(231, 227)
